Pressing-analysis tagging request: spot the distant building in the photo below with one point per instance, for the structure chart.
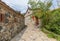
(11, 22)
(28, 12)
(29, 15)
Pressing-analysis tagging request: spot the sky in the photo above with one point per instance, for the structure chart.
(54, 5)
(22, 5)
(19, 5)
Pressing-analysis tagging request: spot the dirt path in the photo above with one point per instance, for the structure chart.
(31, 33)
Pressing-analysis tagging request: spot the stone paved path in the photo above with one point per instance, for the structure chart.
(31, 33)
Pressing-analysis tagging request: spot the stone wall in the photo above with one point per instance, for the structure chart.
(12, 24)
(10, 29)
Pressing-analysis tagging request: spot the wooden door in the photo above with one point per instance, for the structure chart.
(2, 17)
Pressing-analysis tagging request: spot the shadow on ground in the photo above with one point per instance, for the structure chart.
(18, 36)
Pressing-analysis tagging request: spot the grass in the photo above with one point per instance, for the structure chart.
(51, 34)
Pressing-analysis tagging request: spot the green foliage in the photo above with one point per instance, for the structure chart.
(51, 34)
(50, 19)
(54, 22)
(40, 8)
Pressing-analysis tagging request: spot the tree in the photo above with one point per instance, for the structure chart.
(41, 9)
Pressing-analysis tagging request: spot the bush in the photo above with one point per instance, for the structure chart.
(51, 34)
(53, 22)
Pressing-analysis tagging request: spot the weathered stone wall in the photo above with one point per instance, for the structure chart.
(12, 24)
(10, 29)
